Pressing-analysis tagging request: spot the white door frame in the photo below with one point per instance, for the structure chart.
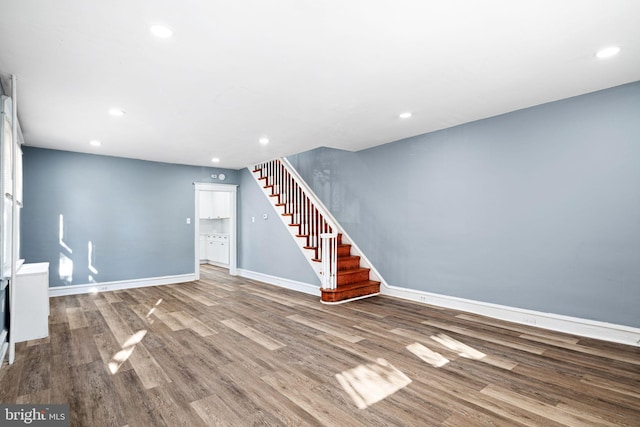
(227, 188)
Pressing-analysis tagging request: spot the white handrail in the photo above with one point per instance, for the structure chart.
(309, 192)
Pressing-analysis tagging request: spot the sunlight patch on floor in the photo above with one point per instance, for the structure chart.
(463, 350)
(135, 338)
(127, 349)
(426, 355)
(154, 308)
(368, 384)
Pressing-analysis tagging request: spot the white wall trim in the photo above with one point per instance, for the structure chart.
(279, 281)
(118, 285)
(555, 322)
(233, 223)
(211, 186)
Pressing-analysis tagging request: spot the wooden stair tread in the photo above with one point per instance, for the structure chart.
(340, 258)
(352, 286)
(348, 262)
(352, 275)
(352, 290)
(353, 271)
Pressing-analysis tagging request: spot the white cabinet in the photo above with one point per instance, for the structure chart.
(215, 204)
(218, 248)
(211, 248)
(223, 252)
(31, 315)
(206, 204)
(221, 205)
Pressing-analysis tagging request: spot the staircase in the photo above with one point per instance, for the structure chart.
(342, 273)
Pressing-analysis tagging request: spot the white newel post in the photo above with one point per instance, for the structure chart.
(329, 260)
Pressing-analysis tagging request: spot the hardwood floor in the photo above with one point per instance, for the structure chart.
(231, 351)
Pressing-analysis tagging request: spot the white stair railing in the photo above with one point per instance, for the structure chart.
(297, 205)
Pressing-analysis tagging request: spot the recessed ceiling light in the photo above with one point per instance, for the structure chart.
(405, 115)
(161, 31)
(608, 52)
(116, 112)
(264, 141)
(215, 160)
(95, 143)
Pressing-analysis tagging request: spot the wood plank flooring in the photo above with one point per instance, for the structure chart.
(228, 351)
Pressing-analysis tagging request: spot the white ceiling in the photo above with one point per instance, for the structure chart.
(304, 73)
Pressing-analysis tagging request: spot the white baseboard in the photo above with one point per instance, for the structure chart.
(555, 322)
(279, 281)
(117, 285)
(4, 346)
(217, 264)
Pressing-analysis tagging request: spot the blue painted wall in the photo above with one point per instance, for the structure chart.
(537, 209)
(265, 246)
(132, 211)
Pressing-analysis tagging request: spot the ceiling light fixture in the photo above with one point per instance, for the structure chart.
(116, 112)
(161, 31)
(215, 160)
(405, 115)
(95, 143)
(608, 52)
(263, 141)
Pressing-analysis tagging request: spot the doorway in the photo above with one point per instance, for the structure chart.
(214, 221)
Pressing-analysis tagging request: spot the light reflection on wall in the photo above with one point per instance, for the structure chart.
(65, 264)
(61, 235)
(91, 258)
(65, 269)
